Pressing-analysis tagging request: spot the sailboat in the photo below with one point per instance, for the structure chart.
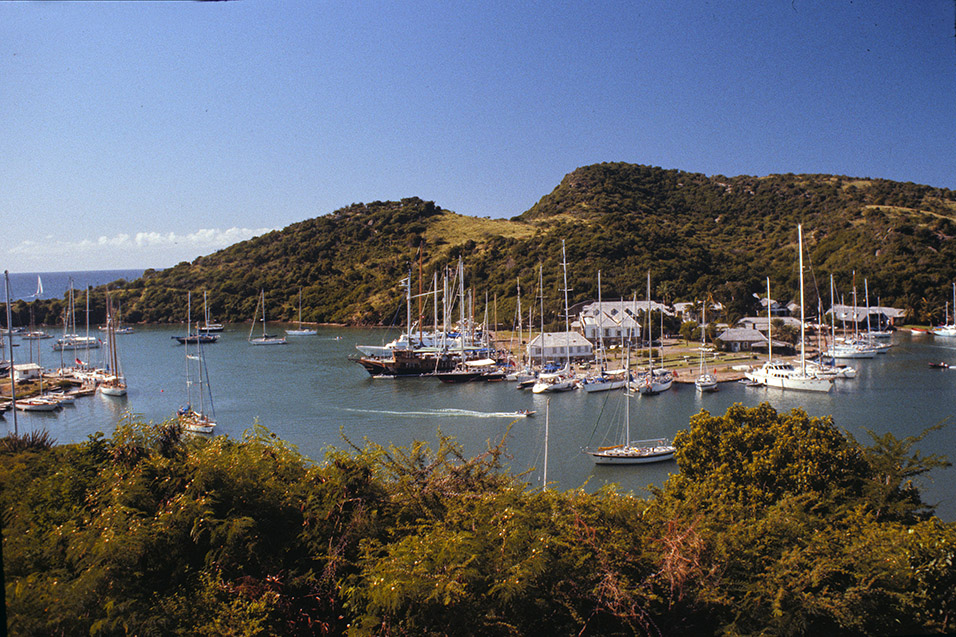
(301, 331)
(782, 374)
(199, 336)
(628, 451)
(563, 379)
(208, 326)
(657, 380)
(115, 383)
(950, 328)
(191, 419)
(265, 339)
(72, 340)
(705, 381)
(604, 380)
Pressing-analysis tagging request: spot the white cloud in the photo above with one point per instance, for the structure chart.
(122, 250)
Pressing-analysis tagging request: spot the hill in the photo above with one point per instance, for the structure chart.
(696, 234)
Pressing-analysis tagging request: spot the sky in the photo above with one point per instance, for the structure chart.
(143, 134)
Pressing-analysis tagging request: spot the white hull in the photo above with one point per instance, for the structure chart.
(37, 404)
(267, 341)
(112, 391)
(706, 383)
(653, 451)
(553, 386)
(602, 385)
(301, 332)
(784, 376)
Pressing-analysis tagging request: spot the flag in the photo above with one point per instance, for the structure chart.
(79, 362)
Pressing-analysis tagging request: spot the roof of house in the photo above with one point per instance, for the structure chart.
(559, 339)
(742, 335)
(858, 314)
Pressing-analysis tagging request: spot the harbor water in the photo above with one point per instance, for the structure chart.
(310, 394)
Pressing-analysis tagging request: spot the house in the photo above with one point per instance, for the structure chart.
(776, 308)
(614, 321)
(555, 346)
(760, 323)
(742, 339)
(26, 371)
(880, 316)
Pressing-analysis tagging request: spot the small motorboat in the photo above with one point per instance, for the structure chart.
(526, 413)
(940, 365)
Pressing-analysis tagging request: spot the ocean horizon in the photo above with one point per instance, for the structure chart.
(23, 285)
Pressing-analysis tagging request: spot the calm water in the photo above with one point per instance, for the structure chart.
(310, 394)
(23, 285)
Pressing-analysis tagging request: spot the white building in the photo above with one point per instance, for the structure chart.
(614, 321)
(26, 371)
(554, 346)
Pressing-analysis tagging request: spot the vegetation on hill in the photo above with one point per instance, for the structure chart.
(697, 235)
(776, 524)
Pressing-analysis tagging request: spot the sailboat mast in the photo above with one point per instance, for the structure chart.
(803, 359)
(647, 321)
(520, 330)
(541, 292)
(567, 324)
(189, 319)
(13, 385)
(769, 325)
(600, 326)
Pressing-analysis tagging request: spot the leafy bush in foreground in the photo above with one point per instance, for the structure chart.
(777, 524)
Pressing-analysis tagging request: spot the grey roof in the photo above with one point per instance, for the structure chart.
(848, 312)
(742, 335)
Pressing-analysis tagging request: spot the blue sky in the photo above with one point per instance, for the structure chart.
(141, 134)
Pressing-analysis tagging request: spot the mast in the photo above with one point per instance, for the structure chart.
(647, 321)
(832, 318)
(189, 320)
(856, 318)
(541, 292)
(87, 324)
(567, 325)
(520, 330)
(866, 296)
(600, 326)
(769, 326)
(420, 316)
(803, 359)
(13, 385)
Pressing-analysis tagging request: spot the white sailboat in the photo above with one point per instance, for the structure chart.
(605, 379)
(190, 418)
(115, 383)
(208, 326)
(301, 331)
(783, 374)
(265, 339)
(628, 451)
(705, 381)
(949, 329)
(562, 380)
(657, 380)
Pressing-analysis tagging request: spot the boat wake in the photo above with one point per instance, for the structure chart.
(440, 413)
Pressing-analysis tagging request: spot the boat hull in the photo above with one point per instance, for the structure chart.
(408, 363)
(656, 451)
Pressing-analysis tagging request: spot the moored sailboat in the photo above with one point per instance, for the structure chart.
(265, 339)
(301, 331)
(783, 374)
(191, 418)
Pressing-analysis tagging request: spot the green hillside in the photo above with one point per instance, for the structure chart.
(696, 234)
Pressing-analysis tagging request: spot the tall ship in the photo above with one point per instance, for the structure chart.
(421, 352)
